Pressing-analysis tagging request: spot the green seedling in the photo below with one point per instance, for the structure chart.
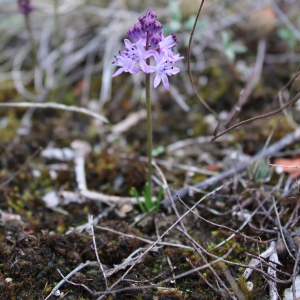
(157, 151)
(177, 23)
(230, 47)
(148, 205)
(287, 36)
(260, 171)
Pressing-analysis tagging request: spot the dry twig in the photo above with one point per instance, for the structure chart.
(284, 142)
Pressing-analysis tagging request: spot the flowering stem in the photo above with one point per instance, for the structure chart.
(149, 128)
(149, 41)
(58, 40)
(33, 45)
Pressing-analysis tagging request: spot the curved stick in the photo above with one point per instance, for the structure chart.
(189, 65)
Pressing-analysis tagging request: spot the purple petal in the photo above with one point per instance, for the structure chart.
(165, 81)
(118, 72)
(157, 80)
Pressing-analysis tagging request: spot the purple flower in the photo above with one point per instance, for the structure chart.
(164, 68)
(126, 64)
(167, 44)
(25, 7)
(176, 57)
(149, 41)
(137, 51)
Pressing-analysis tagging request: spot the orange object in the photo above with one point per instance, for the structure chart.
(292, 165)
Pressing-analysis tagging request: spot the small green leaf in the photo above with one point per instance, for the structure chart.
(134, 193)
(175, 10)
(229, 53)
(148, 205)
(239, 48)
(157, 151)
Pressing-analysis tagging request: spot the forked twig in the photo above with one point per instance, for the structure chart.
(272, 149)
(73, 283)
(198, 250)
(73, 272)
(272, 113)
(96, 251)
(22, 167)
(281, 229)
(165, 233)
(153, 286)
(236, 232)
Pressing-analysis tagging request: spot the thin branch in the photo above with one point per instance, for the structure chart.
(236, 232)
(166, 232)
(96, 251)
(73, 283)
(153, 286)
(57, 106)
(281, 166)
(281, 230)
(274, 148)
(78, 268)
(22, 167)
(143, 239)
(295, 272)
(198, 250)
(261, 49)
(217, 291)
(189, 64)
(274, 261)
(272, 113)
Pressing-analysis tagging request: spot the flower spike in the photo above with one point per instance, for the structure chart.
(149, 41)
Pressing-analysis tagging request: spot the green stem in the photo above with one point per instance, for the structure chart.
(58, 40)
(33, 45)
(149, 127)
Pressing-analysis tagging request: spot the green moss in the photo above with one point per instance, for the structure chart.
(214, 233)
(60, 229)
(138, 297)
(242, 282)
(28, 214)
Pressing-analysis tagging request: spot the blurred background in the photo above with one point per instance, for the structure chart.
(242, 54)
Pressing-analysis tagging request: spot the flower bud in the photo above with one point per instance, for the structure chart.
(151, 15)
(154, 40)
(136, 32)
(147, 24)
(155, 27)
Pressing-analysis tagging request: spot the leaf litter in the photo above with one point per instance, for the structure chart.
(69, 226)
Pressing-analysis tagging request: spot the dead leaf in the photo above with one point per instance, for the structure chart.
(77, 90)
(213, 167)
